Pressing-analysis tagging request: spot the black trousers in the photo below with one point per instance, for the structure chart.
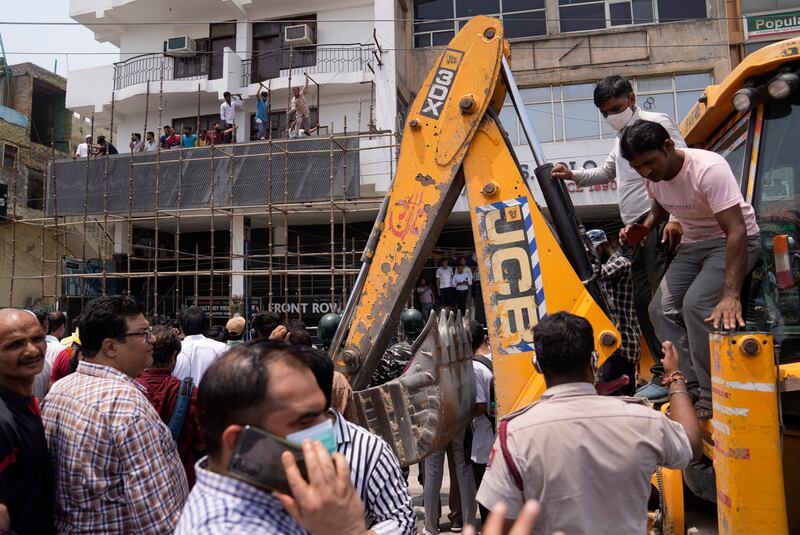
(648, 266)
(478, 470)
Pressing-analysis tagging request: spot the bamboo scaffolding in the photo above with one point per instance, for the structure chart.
(311, 266)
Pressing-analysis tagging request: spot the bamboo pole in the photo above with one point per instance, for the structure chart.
(13, 234)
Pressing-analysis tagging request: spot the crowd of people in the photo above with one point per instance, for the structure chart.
(222, 131)
(128, 425)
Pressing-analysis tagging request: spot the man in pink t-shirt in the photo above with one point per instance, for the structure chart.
(702, 287)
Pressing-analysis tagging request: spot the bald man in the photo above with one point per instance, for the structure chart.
(25, 479)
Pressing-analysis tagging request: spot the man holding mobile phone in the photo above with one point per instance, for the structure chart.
(238, 390)
(615, 99)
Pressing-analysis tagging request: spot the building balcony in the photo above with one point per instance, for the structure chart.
(317, 59)
(280, 63)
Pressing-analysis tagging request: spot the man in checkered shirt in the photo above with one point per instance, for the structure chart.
(116, 467)
(615, 277)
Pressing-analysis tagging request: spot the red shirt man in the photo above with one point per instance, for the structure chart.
(162, 391)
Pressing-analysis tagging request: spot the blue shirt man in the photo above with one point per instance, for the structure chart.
(262, 104)
(188, 140)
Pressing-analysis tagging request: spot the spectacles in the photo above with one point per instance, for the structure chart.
(146, 334)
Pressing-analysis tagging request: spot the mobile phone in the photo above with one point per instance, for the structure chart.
(257, 460)
(637, 233)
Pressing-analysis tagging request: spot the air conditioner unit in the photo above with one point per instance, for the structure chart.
(181, 46)
(300, 34)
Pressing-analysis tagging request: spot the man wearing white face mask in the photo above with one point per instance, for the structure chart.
(616, 100)
(268, 385)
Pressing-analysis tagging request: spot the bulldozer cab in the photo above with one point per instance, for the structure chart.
(751, 119)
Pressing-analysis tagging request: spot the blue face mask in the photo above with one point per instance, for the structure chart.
(322, 432)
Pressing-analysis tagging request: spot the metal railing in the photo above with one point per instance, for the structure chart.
(140, 69)
(313, 59)
(272, 64)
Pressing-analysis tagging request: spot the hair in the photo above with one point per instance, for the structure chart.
(165, 346)
(300, 337)
(564, 343)
(40, 313)
(264, 94)
(101, 140)
(137, 135)
(105, 317)
(234, 388)
(55, 320)
(166, 126)
(322, 367)
(226, 94)
(186, 127)
(264, 323)
(152, 134)
(216, 332)
(478, 333)
(193, 320)
(614, 86)
(234, 336)
(641, 137)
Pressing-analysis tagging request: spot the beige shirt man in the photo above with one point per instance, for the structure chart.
(587, 458)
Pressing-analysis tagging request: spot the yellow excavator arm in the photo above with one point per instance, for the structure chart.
(452, 140)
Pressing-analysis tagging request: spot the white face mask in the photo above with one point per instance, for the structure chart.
(322, 432)
(620, 120)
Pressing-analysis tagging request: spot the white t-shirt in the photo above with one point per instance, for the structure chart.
(445, 276)
(462, 281)
(482, 432)
(82, 151)
(197, 354)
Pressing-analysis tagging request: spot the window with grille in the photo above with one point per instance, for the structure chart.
(567, 112)
(582, 15)
(437, 21)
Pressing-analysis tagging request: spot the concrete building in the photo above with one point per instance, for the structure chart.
(755, 24)
(302, 206)
(34, 127)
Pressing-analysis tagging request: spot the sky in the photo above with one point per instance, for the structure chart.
(43, 45)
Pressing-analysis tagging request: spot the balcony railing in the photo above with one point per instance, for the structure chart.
(314, 59)
(155, 67)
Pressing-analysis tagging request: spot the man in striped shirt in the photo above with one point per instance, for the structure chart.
(116, 467)
(265, 384)
(374, 468)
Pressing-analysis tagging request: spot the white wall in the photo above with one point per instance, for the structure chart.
(144, 39)
(89, 89)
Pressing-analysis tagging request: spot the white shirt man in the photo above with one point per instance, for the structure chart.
(227, 110)
(444, 274)
(83, 148)
(197, 354)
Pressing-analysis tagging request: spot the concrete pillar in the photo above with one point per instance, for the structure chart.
(551, 14)
(121, 242)
(237, 255)
(232, 70)
(278, 239)
(386, 75)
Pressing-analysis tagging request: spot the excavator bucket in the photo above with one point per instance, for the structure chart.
(423, 409)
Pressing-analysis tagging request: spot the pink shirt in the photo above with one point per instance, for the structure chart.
(704, 186)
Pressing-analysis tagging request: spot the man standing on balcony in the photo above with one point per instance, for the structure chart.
(300, 107)
(227, 113)
(150, 143)
(262, 107)
(83, 148)
(188, 140)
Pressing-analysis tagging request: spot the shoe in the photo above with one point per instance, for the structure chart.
(456, 526)
(653, 392)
